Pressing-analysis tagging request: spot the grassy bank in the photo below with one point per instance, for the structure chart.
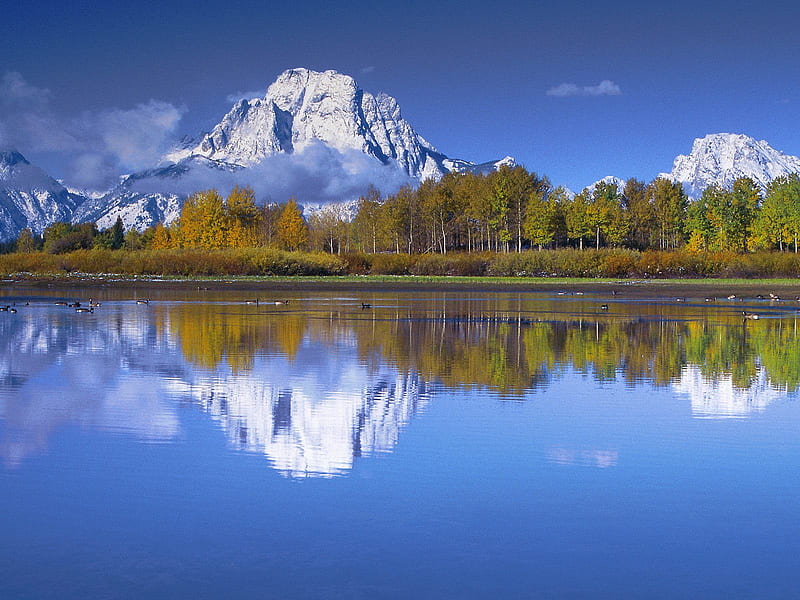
(531, 265)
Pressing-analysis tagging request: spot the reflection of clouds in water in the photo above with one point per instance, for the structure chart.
(311, 416)
(720, 398)
(601, 459)
(57, 378)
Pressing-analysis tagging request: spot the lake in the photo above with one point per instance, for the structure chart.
(367, 444)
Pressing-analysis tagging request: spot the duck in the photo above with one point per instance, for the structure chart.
(732, 297)
(143, 301)
(61, 303)
(12, 310)
(760, 296)
(4, 308)
(93, 304)
(710, 299)
(281, 302)
(680, 299)
(604, 307)
(748, 315)
(74, 305)
(252, 301)
(365, 305)
(84, 310)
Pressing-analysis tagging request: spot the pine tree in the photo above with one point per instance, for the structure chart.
(117, 234)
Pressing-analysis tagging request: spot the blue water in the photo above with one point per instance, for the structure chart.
(302, 454)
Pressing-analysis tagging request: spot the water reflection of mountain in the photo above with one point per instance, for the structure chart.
(313, 391)
(311, 414)
(720, 398)
(306, 430)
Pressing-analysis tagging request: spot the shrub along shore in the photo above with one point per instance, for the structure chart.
(528, 265)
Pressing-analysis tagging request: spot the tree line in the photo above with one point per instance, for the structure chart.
(508, 210)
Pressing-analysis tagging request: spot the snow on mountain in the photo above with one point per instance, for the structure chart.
(609, 180)
(143, 199)
(303, 106)
(721, 158)
(29, 197)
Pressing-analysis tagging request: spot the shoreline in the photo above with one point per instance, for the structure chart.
(658, 288)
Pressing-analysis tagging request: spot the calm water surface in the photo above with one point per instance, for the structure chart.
(464, 445)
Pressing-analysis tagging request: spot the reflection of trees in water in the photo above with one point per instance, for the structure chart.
(506, 351)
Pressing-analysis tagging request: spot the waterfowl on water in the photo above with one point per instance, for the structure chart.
(252, 301)
(732, 297)
(748, 315)
(12, 310)
(4, 308)
(281, 302)
(604, 307)
(760, 296)
(710, 299)
(680, 299)
(84, 310)
(143, 301)
(92, 303)
(61, 303)
(365, 305)
(74, 304)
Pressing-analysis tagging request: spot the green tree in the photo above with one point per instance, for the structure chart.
(542, 218)
(576, 216)
(117, 234)
(669, 206)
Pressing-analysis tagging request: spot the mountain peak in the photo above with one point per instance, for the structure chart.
(10, 158)
(721, 158)
(304, 107)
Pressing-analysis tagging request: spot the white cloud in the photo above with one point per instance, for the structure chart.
(101, 143)
(604, 88)
(236, 96)
(316, 174)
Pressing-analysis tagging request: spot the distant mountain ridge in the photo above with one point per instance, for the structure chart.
(29, 197)
(301, 111)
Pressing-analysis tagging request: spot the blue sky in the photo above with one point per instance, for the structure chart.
(471, 77)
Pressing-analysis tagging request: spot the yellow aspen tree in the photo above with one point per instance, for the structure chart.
(243, 216)
(292, 228)
(161, 238)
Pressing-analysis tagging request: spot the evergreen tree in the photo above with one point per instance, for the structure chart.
(117, 234)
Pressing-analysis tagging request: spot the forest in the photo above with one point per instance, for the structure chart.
(479, 221)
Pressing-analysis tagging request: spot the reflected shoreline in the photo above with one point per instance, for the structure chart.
(319, 383)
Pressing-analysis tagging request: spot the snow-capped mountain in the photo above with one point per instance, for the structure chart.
(609, 180)
(304, 106)
(29, 197)
(721, 158)
(143, 199)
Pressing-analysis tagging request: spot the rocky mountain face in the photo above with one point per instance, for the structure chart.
(721, 158)
(304, 106)
(29, 197)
